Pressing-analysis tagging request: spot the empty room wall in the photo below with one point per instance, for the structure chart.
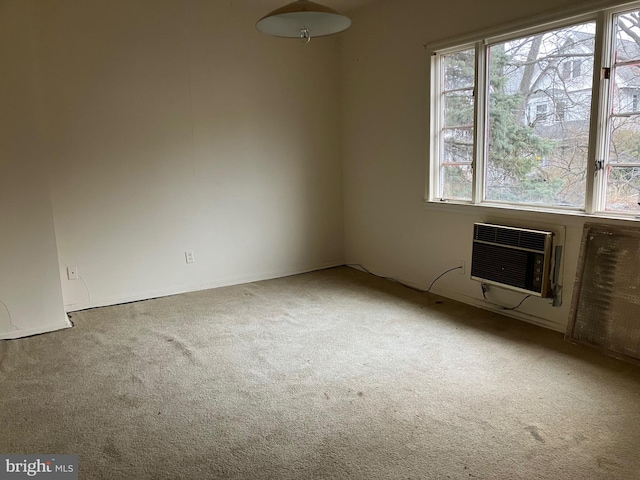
(30, 289)
(389, 229)
(175, 126)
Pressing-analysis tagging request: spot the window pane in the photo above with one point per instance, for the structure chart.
(627, 31)
(459, 69)
(626, 88)
(457, 181)
(539, 115)
(458, 145)
(623, 189)
(458, 108)
(624, 146)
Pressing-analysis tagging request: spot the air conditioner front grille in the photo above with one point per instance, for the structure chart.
(499, 264)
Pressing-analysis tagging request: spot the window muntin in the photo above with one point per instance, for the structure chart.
(600, 156)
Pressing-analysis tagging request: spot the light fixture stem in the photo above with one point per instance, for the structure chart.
(304, 35)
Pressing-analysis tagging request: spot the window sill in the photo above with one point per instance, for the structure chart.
(517, 210)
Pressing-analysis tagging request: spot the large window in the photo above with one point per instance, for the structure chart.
(546, 118)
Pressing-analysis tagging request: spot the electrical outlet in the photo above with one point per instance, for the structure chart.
(462, 268)
(72, 273)
(189, 257)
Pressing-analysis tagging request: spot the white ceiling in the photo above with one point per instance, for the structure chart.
(340, 5)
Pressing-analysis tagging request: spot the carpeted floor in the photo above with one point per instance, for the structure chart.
(332, 374)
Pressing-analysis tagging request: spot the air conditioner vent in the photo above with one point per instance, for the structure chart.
(511, 257)
(506, 236)
(532, 241)
(510, 236)
(485, 233)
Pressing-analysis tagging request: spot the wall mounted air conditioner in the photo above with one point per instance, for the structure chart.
(514, 258)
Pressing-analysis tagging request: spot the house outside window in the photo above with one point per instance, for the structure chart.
(513, 117)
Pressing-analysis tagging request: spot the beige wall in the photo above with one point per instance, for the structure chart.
(174, 126)
(29, 283)
(388, 228)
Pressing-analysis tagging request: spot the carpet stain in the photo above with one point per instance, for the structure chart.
(111, 450)
(606, 463)
(535, 433)
(326, 396)
(128, 400)
(183, 349)
(470, 474)
(579, 438)
(360, 394)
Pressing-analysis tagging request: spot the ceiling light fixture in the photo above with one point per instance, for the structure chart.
(303, 19)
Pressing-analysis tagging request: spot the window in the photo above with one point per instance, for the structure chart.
(523, 120)
(541, 113)
(577, 68)
(457, 122)
(560, 107)
(623, 166)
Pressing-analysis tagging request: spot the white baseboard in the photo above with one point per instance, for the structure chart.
(35, 331)
(525, 317)
(479, 303)
(103, 302)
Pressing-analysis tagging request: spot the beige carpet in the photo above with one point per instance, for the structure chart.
(333, 374)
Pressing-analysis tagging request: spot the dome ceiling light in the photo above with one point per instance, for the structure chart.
(303, 19)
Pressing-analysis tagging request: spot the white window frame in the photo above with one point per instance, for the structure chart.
(601, 94)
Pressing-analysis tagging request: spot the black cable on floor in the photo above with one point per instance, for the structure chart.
(484, 295)
(401, 283)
